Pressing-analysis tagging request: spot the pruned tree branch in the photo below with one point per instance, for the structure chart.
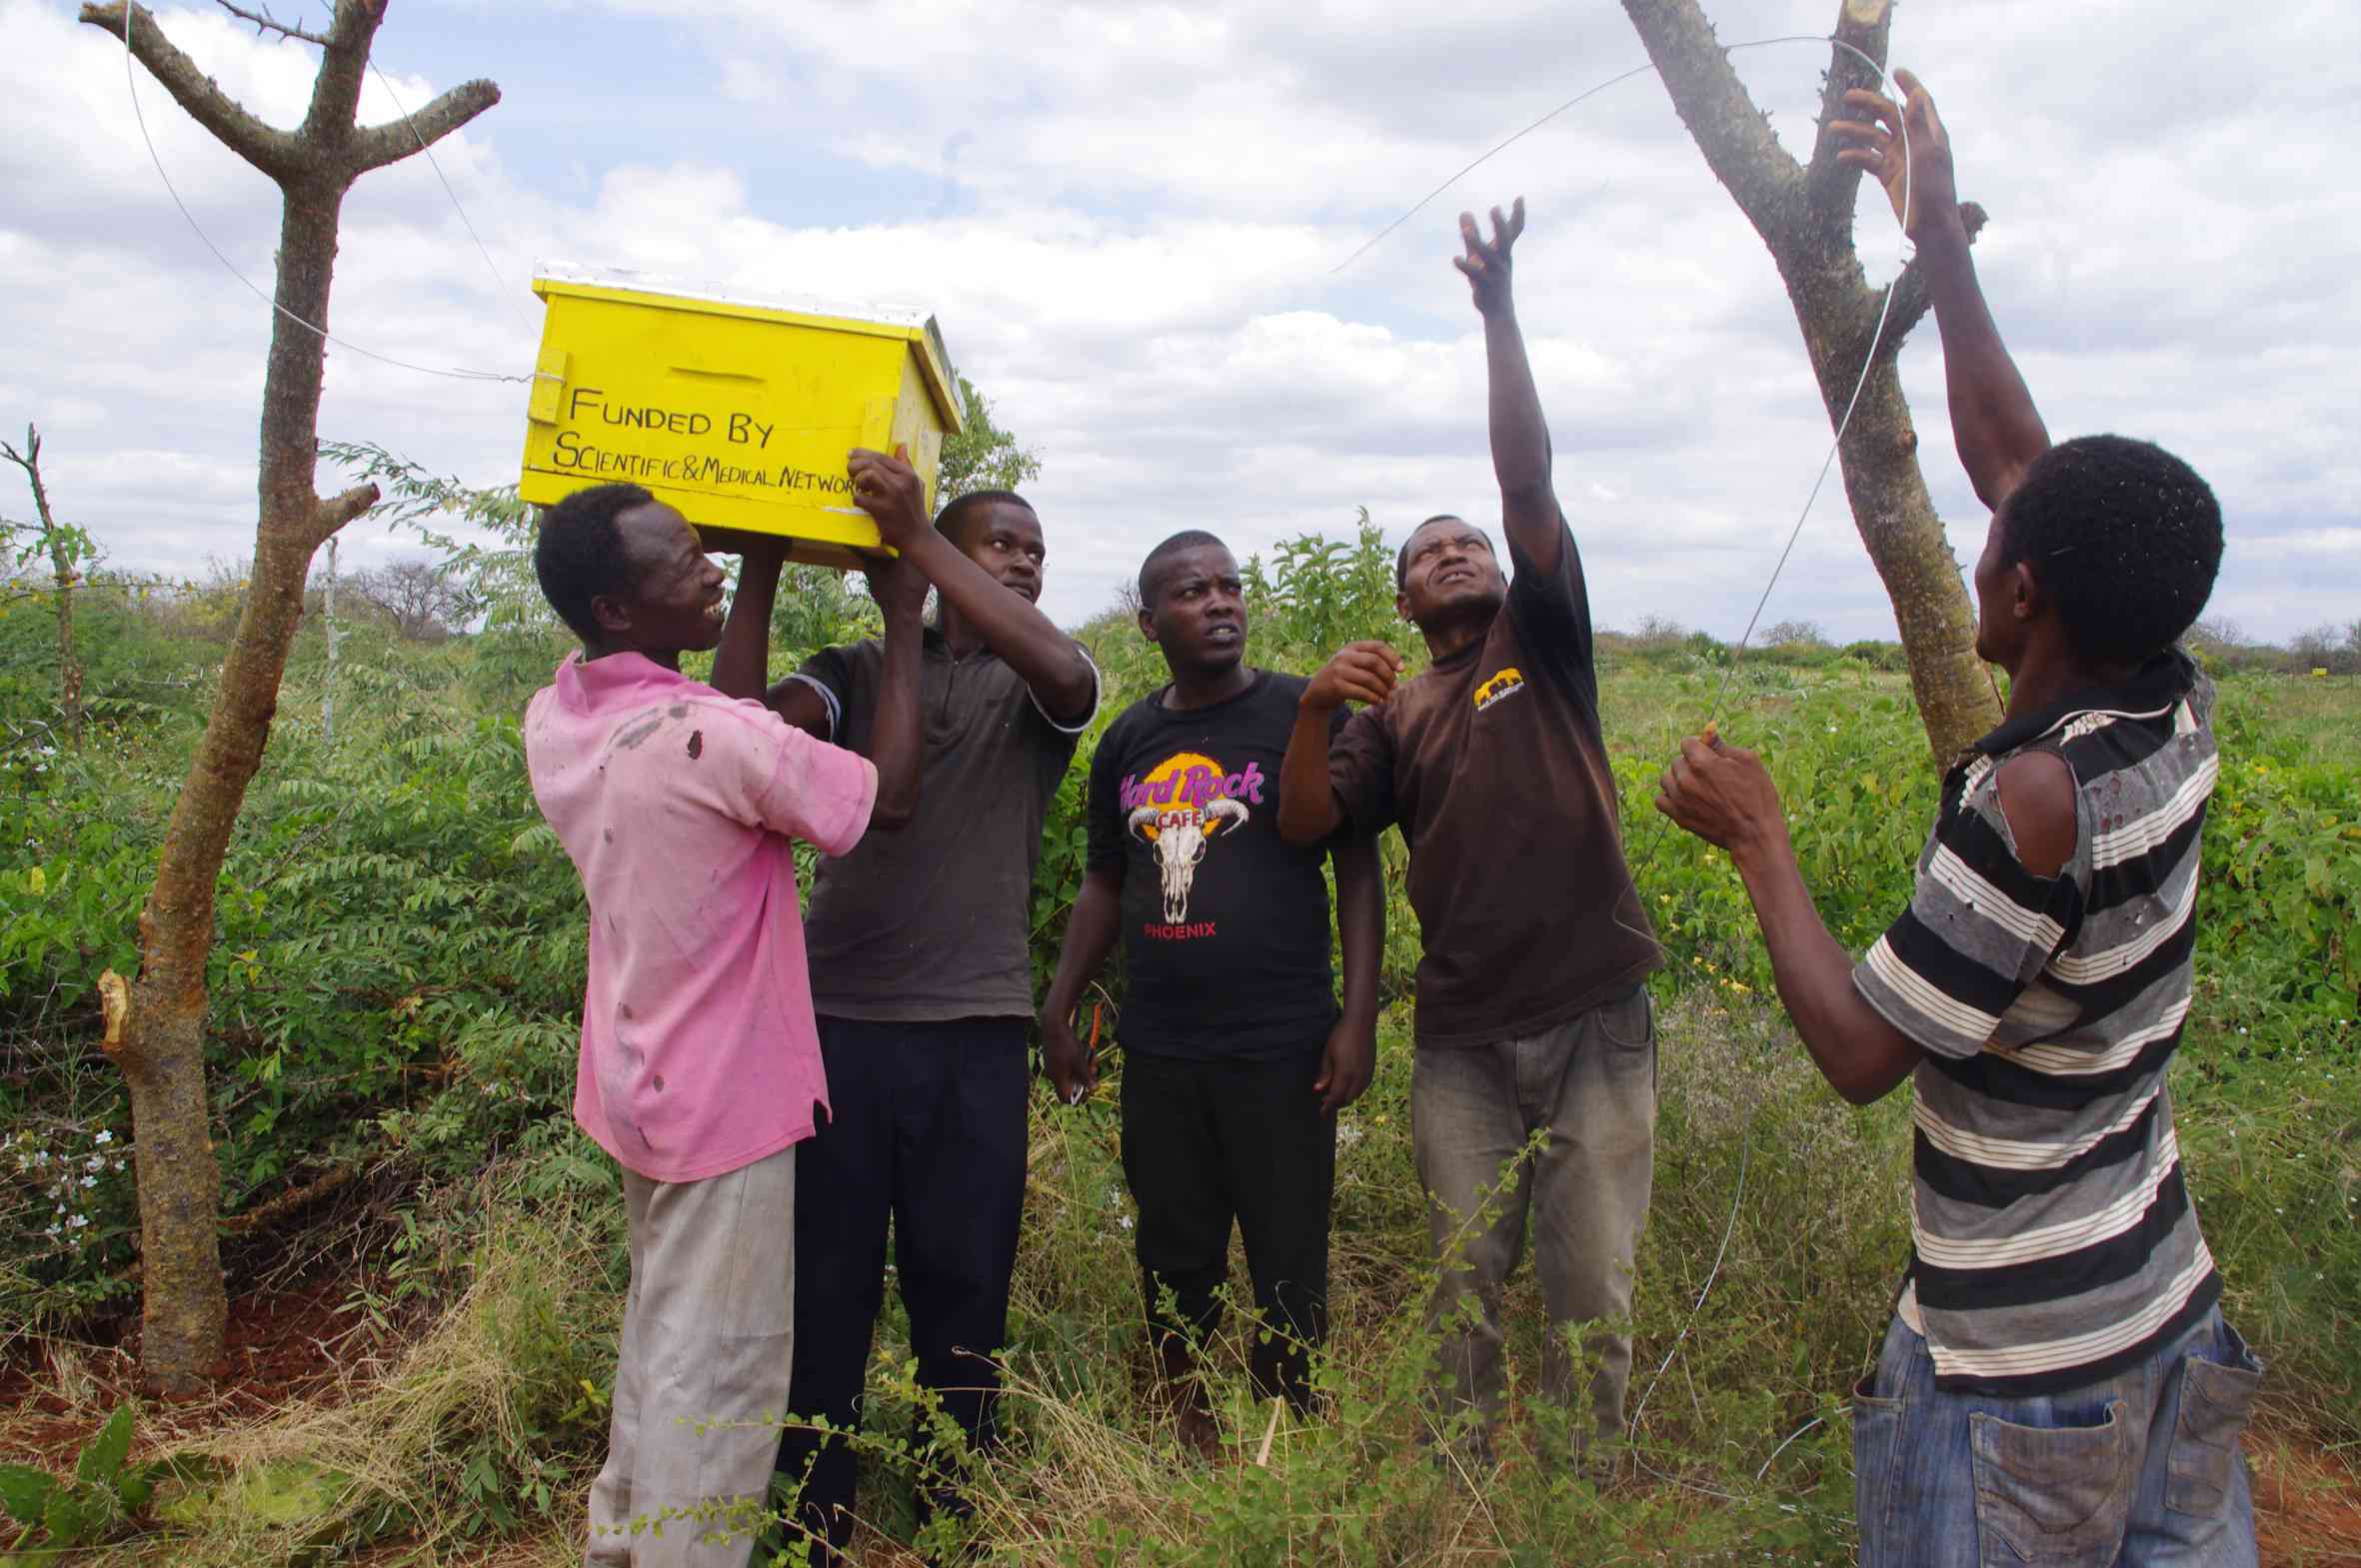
(335, 91)
(1737, 140)
(1830, 183)
(1805, 220)
(265, 22)
(335, 512)
(1911, 301)
(30, 461)
(378, 145)
(275, 152)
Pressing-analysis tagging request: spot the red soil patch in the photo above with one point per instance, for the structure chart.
(284, 1344)
(2307, 1503)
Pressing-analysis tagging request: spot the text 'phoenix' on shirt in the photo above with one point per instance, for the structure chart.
(1225, 924)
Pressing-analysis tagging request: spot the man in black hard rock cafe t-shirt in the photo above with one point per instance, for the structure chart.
(1235, 1056)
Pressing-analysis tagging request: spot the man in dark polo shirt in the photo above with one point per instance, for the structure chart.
(922, 990)
(1531, 1009)
(1235, 1058)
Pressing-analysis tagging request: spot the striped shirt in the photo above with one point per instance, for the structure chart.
(2053, 1241)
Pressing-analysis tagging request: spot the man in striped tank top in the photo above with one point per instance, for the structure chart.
(2058, 1385)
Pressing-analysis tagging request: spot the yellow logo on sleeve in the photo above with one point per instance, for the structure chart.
(1509, 680)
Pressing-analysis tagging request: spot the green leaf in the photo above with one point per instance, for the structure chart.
(72, 1517)
(25, 1492)
(103, 1456)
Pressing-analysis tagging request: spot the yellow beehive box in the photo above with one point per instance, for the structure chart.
(738, 411)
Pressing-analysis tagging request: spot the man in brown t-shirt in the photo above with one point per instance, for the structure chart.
(1531, 1009)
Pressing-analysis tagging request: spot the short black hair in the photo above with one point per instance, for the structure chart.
(1401, 557)
(1150, 573)
(2125, 536)
(953, 516)
(580, 553)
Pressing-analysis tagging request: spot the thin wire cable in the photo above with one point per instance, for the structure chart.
(1643, 69)
(131, 83)
(1745, 1154)
(1420, 206)
(1779, 567)
(490, 265)
(1791, 1436)
(1819, 481)
(500, 279)
(1868, 364)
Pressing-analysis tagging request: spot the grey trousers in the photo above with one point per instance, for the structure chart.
(705, 1339)
(1592, 1083)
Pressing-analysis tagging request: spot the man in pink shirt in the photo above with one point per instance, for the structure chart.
(700, 1065)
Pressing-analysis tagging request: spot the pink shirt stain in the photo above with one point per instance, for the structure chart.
(677, 803)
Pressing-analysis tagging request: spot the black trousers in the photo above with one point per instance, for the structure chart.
(1210, 1141)
(926, 1133)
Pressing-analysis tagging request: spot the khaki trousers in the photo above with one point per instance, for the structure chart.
(1592, 1083)
(706, 1343)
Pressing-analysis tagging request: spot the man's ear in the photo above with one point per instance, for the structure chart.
(1401, 603)
(2026, 597)
(610, 613)
(1147, 624)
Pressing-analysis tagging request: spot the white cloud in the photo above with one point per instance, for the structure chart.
(1127, 216)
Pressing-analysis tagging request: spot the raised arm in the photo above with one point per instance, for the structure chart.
(897, 740)
(1307, 808)
(1520, 439)
(1027, 642)
(1999, 431)
(741, 663)
(1723, 795)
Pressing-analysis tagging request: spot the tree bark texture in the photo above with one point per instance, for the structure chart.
(162, 1030)
(1804, 216)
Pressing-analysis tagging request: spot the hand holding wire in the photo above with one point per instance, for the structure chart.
(1902, 148)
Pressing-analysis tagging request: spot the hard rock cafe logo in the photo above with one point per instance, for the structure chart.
(1510, 681)
(1183, 804)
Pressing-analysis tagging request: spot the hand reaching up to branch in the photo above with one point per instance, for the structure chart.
(1995, 425)
(1488, 266)
(1931, 189)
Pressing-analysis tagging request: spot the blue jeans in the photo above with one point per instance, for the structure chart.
(2141, 1469)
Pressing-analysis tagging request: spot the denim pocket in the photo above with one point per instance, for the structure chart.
(1630, 1024)
(2056, 1497)
(1877, 1435)
(2215, 1400)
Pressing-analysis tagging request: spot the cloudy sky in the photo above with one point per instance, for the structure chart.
(1127, 216)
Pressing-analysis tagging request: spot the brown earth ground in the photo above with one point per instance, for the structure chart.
(290, 1341)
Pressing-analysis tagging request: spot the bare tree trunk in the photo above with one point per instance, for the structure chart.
(69, 658)
(1804, 215)
(158, 1037)
(65, 545)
